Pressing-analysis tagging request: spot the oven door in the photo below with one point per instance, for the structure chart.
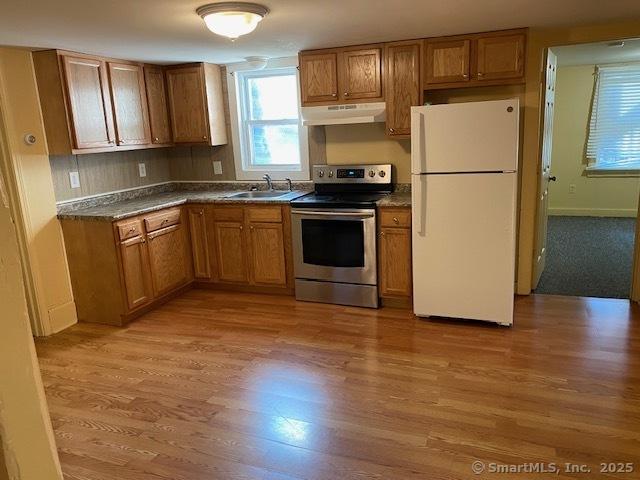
(335, 245)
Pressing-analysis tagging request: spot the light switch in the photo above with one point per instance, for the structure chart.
(142, 169)
(74, 179)
(217, 168)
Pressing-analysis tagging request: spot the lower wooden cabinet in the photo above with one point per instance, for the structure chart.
(168, 260)
(252, 246)
(394, 248)
(135, 272)
(199, 242)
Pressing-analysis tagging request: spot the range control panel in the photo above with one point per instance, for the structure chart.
(352, 174)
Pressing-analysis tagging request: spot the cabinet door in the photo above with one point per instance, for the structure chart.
(199, 243)
(361, 74)
(135, 271)
(168, 259)
(402, 85)
(500, 56)
(89, 103)
(188, 104)
(395, 262)
(446, 61)
(231, 252)
(129, 104)
(267, 247)
(157, 100)
(319, 77)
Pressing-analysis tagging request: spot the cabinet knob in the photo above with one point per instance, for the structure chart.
(241, 227)
(395, 220)
(204, 137)
(465, 75)
(382, 234)
(201, 212)
(346, 94)
(391, 130)
(334, 95)
(156, 139)
(480, 74)
(251, 227)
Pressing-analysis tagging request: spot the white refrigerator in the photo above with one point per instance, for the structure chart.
(464, 160)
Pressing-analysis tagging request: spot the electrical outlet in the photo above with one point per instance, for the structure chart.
(74, 179)
(572, 188)
(217, 168)
(142, 169)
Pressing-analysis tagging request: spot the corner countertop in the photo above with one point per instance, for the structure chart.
(150, 203)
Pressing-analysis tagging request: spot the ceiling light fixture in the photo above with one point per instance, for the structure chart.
(232, 19)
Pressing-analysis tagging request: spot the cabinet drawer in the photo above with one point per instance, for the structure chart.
(264, 214)
(129, 229)
(395, 217)
(228, 214)
(162, 220)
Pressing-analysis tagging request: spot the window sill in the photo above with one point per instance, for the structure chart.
(612, 172)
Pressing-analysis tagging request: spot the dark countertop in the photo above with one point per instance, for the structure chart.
(119, 210)
(130, 208)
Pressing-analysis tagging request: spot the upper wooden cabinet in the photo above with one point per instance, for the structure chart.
(158, 108)
(361, 73)
(196, 104)
(319, 77)
(345, 75)
(500, 56)
(129, 98)
(495, 58)
(447, 61)
(76, 102)
(402, 85)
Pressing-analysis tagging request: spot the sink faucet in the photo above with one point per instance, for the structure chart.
(267, 177)
(289, 186)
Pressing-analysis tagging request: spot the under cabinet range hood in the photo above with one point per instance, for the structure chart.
(344, 114)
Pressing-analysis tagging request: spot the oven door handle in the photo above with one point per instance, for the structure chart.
(323, 213)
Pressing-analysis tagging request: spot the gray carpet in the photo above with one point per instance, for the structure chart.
(589, 257)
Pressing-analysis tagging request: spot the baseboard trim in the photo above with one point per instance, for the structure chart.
(62, 317)
(593, 212)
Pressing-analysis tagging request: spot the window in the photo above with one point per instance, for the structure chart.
(267, 130)
(614, 128)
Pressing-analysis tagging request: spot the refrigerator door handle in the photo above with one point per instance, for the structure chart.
(420, 201)
(417, 142)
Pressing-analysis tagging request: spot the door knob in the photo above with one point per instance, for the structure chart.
(552, 179)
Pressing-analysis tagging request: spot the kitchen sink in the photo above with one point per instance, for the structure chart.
(258, 194)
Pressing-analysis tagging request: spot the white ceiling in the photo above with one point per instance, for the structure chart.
(598, 53)
(167, 31)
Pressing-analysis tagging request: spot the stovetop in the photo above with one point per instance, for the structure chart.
(338, 200)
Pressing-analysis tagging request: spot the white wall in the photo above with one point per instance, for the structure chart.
(594, 196)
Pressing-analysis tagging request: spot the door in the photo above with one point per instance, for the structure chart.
(464, 245)
(129, 104)
(231, 252)
(489, 129)
(188, 104)
(395, 261)
(335, 245)
(446, 61)
(89, 102)
(135, 272)
(319, 77)
(500, 56)
(199, 243)
(157, 100)
(267, 254)
(361, 74)
(402, 86)
(549, 88)
(167, 259)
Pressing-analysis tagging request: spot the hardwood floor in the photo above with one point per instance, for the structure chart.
(219, 385)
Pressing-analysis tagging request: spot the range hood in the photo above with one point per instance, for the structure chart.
(344, 114)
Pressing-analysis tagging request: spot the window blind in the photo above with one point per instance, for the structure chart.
(614, 128)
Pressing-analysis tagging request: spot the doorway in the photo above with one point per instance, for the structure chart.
(590, 175)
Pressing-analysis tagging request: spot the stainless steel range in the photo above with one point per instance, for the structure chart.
(334, 235)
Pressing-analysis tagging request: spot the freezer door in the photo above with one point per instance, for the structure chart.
(465, 137)
(464, 246)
